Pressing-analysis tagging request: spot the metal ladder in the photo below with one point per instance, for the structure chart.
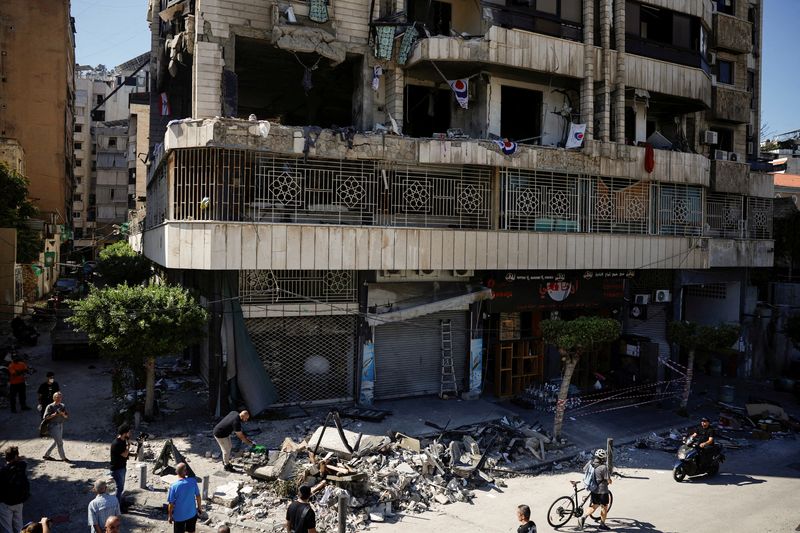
(448, 380)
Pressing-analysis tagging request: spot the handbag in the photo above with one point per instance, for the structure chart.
(44, 428)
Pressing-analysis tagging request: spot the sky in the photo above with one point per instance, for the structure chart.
(113, 31)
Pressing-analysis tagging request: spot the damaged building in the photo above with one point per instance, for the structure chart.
(380, 199)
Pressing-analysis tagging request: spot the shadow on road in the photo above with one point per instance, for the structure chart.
(725, 478)
(629, 525)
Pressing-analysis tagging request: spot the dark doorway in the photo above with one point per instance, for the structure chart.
(436, 16)
(427, 110)
(270, 85)
(520, 114)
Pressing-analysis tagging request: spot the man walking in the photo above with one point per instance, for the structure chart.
(300, 517)
(16, 380)
(526, 525)
(120, 449)
(232, 423)
(44, 394)
(103, 507)
(596, 473)
(15, 491)
(113, 524)
(54, 415)
(183, 501)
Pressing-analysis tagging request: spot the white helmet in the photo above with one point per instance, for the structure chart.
(600, 454)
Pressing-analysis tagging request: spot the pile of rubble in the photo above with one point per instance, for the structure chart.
(381, 476)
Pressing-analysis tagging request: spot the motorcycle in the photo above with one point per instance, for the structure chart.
(691, 462)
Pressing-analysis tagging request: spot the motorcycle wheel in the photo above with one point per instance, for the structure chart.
(678, 474)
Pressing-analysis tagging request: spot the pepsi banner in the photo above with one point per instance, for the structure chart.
(576, 134)
(461, 90)
(506, 146)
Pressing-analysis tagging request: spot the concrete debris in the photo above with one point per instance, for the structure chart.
(227, 495)
(281, 465)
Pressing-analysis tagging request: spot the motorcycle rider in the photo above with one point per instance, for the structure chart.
(705, 435)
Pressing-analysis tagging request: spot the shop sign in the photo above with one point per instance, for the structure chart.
(552, 290)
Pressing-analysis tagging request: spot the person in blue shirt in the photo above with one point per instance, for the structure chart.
(183, 501)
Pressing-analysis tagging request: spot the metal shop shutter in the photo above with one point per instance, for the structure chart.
(655, 327)
(308, 358)
(408, 355)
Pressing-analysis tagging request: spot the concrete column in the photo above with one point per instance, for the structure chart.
(605, 37)
(587, 84)
(619, 37)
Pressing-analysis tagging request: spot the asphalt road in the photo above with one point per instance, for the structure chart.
(755, 492)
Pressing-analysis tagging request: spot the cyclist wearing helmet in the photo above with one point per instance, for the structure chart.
(600, 493)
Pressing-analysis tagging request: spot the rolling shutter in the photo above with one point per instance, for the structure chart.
(408, 355)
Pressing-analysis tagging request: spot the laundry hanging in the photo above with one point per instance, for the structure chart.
(377, 72)
(166, 110)
(318, 11)
(406, 44)
(506, 146)
(384, 41)
(461, 90)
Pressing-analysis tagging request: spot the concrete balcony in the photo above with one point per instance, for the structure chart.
(236, 246)
(735, 177)
(731, 105)
(667, 78)
(505, 48)
(604, 159)
(732, 33)
(740, 253)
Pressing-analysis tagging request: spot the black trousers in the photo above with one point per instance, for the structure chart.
(17, 390)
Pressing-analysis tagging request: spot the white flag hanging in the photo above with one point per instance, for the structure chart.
(461, 90)
(576, 133)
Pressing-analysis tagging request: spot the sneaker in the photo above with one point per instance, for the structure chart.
(596, 518)
(604, 527)
(47, 458)
(581, 521)
(229, 468)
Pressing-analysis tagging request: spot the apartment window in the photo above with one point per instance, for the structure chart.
(78, 128)
(79, 146)
(751, 87)
(78, 162)
(547, 6)
(78, 232)
(725, 139)
(111, 195)
(100, 98)
(726, 6)
(78, 180)
(77, 197)
(112, 142)
(76, 214)
(94, 165)
(725, 72)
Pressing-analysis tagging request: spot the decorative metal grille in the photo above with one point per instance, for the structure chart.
(619, 206)
(716, 291)
(724, 215)
(680, 210)
(297, 286)
(308, 358)
(541, 201)
(156, 199)
(759, 218)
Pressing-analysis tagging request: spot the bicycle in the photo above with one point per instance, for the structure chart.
(566, 507)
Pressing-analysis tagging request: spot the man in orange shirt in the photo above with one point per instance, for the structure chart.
(16, 379)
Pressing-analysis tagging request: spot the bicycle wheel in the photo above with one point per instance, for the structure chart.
(561, 511)
(610, 500)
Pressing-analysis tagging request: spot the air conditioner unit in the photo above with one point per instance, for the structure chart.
(734, 156)
(710, 137)
(463, 273)
(423, 273)
(721, 155)
(663, 296)
(638, 312)
(641, 299)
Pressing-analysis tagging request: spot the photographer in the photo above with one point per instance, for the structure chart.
(120, 449)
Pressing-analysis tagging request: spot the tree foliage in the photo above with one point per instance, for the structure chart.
(120, 264)
(15, 212)
(134, 323)
(693, 336)
(581, 334)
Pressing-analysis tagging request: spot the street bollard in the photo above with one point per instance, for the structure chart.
(343, 499)
(205, 487)
(610, 455)
(143, 476)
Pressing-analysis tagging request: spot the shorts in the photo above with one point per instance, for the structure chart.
(599, 498)
(185, 526)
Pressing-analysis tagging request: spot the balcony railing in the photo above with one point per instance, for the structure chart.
(527, 19)
(666, 52)
(216, 184)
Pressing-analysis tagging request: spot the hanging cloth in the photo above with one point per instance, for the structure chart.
(318, 11)
(506, 146)
(649, 158)
(576, 134)
(406, 44)
(461, 90)
(384, 42)
(377, 72)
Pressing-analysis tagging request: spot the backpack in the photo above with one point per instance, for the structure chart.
(589, 479)
(17, 487)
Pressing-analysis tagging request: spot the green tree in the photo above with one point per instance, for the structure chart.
(16, 210)
(132, 325)
(573, 338)
(693, 337)
(119, 263)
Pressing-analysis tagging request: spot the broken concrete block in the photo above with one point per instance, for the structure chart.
(442, 498)
(290, 446)
(281, 466)
(227, 495)
(408, 443)
(331, 442)
(471, 445)
(405, 468)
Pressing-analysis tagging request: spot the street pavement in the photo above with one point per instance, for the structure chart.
(755, 492)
